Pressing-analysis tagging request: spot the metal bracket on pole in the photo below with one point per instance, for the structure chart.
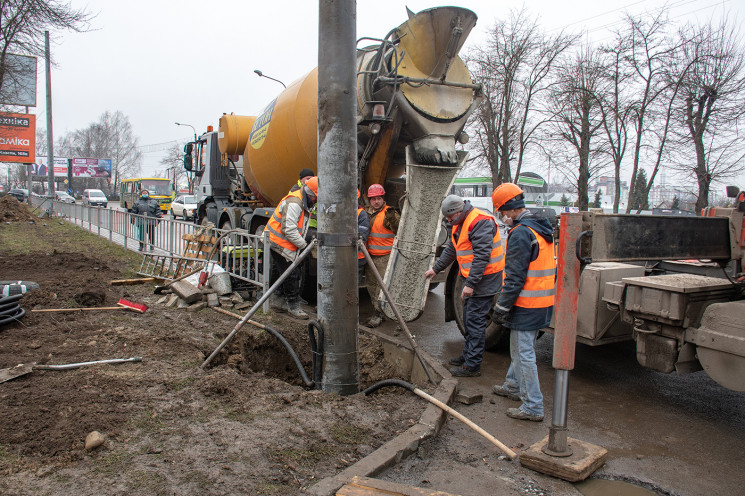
(400, 319)
(258, 304)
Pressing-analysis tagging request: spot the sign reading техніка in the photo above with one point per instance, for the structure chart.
(17, 137)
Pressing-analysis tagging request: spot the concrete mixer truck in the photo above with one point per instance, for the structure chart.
(414, 95)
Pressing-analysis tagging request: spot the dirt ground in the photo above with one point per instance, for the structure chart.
(246, 425)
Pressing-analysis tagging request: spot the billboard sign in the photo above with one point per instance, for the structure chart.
(40, 167)
(91, 167)
(17, 138)
(19, 81)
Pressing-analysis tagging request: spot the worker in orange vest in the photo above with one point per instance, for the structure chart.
(286, 228)
(476, 244)
(383, 228)
(526, 302)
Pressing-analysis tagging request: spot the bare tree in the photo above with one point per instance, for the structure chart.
(22, 26)
(514, 70)
(578, 119)
(173, 163)
(711, 104)
(110, 137)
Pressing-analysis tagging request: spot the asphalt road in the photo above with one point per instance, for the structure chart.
(681, 435)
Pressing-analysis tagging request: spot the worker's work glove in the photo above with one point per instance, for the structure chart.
(498, 315)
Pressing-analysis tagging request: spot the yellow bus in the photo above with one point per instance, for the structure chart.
(160, 189)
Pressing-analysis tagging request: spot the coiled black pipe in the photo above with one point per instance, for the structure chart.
(10, 309)
(316, 348)
(388, 382)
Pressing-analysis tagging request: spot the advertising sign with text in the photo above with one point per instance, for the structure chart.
(91, 167)
(17, 137)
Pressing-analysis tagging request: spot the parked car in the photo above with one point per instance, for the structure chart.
(94, 198)
(64, 197)
(184, 206)
(20, 194)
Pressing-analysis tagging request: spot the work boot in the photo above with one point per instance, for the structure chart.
(278, 303)
(503, 391)
(459, 360)
(302, 300)
(464, 371)
(520, 414)
(375, 320)
(293, 308)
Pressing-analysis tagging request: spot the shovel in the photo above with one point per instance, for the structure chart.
(26, 368)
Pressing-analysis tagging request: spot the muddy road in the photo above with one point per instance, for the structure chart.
(681, 435)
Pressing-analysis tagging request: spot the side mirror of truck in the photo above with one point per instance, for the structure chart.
(188, 148)
(732, 191)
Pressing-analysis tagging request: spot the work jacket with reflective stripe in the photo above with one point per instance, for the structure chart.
(380, 240)
(523, 248)
(481, 235)
(274, 226)
(539, 289)
(464, 247)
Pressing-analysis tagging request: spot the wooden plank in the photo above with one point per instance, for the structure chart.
(366, 486)
(120, 282)
(585, 459)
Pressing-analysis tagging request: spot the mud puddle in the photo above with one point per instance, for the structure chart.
(604, 487)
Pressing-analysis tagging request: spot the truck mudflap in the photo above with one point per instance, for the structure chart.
(413, 249)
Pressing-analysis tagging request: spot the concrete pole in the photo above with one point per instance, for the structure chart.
(50, 137)
(338, 298)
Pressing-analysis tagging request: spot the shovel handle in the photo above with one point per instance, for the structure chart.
(69, 366)
(77, 309)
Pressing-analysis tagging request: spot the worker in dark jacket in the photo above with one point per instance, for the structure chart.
(526, 302)
(476, 245)
(151, 212)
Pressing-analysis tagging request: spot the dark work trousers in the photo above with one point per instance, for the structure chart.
(147, 231)
(475, 311)
(290, 288)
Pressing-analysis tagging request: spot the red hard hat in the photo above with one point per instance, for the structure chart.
(504, 193)
(358, 193)
(312, 183)
(375, 190)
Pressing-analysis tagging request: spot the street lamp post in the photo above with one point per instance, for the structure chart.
(192, 127)
(261, 74)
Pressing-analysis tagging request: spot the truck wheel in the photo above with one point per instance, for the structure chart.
(497, 337)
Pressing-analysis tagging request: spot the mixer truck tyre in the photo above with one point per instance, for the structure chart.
(497, 337)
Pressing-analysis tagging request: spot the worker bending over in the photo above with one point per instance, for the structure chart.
(286, 228)
(383, 228)
(527, 299)
(476, 245)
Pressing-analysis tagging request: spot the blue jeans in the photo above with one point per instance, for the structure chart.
(522, 376)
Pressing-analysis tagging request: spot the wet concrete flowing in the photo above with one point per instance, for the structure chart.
(678, 435)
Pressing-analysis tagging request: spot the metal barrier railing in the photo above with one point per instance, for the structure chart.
(245, 256)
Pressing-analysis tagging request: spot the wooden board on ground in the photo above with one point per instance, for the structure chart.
(365, 486)
(585, 459)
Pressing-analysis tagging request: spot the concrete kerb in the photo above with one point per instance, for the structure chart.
(399, 353)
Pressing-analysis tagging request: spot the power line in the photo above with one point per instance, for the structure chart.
(160, 147)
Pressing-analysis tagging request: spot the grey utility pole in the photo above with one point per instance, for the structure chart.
(50, 137)
(338, 297)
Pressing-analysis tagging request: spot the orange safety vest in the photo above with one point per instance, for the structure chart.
(464, 248)
(380, 240)
(360, 255)
(275, 223)
(539, 290)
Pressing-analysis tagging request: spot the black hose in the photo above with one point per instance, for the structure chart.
(388, 382)
(13, 318)
(10, 309)
(316, 349)
(300, 368)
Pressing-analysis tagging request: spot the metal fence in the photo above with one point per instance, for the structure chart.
(245, 256)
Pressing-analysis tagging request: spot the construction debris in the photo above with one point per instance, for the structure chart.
(186, 291)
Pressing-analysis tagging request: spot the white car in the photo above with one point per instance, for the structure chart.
(63, 197)
(184, 206)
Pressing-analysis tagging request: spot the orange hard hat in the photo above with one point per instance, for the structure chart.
(375, 190)
(358, 193)
(312, 184)
(504, 193)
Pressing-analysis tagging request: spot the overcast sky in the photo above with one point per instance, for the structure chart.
(191, 61)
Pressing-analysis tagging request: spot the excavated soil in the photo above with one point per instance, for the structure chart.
(245, 425)
(11, 210)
